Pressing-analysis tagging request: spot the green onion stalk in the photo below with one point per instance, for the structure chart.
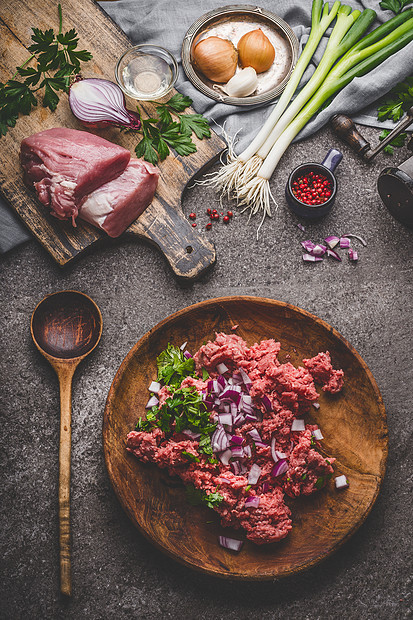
(244, 166)
(360, 59)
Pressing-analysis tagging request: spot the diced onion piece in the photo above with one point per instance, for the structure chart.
(237, 440)
(334, 254)
(191, 434)
(332, 241)
(247, 452)
(266, 402)
(308, 245)
(237, 452)
(252, 501)
(301, 227)
(221, 368)
(317, 434)
(187, 355)
(341, 482)
(352, 254)
(255, 436)
(183, 346)
(344, 242)
(154, 387)
(225, 456)
(152, 402)
(279, 468)
(254, 474)
(298, 425)
(309, 258)
(280, 455)
(225, 419)
(244, 376)
(356, 237)
(318, 250)
(230, 543)
(316, 405)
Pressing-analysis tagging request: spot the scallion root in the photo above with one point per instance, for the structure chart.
(257, 197)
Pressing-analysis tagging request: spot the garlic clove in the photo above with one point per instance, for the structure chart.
(242, 83)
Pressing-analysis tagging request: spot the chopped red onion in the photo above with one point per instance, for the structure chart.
(221, 368)
(237, 440)
(273, 453)
(318, 250)
(152, 402)
(356, 237)
(341, 482)
(230, 543)
(231, 394)
(252, 501)
(250, 418)
(225, 419)
(254, 474)
(309, 258)
(266, 402)
(237, 452)
(255, 436)
(301, 227)
(266, 487)
(224, 480)
(247, 452)
(352, 254)
(244, 376)
(154, 387)
(246, 399)
(236, 467)
(183, 346)
(308, 245)
(344, 242)
(225, 456)
(334, 254)
(298, 425)
(317, 434)
(187, 355)
(280, 455)
(279, 468)
(316, 405)
(332, 241)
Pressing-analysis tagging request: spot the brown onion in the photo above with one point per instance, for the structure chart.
(216, 58)
(255, 50)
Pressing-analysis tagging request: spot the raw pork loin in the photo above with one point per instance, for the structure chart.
(66, 164)
(116, 204)
(78, 173)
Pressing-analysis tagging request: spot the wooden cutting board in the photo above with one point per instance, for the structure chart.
(163, 223)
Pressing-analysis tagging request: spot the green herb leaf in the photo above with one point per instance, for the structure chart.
(173, 366)
(397, 101)
(146, 151)
(56, 59)
(320, 482)
(194, 123)
(179, 103)
(190, 456)
(394, 5)
(205, 375)
(196, 497)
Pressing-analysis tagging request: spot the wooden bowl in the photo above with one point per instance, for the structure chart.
(353, 424)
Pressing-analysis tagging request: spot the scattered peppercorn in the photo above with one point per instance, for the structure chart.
(230, 214)
(226, 219)
(192, 216)
(208, 211)
(208, 226)
(194, 225)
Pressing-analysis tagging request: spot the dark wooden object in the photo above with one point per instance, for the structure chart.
(163, 223)
(353, 424)
(65, 327)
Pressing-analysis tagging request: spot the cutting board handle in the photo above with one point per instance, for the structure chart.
(189, 254)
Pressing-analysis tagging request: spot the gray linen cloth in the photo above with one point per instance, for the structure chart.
(165, 23)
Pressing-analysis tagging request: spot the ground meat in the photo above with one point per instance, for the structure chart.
(308, 470)
(280, 393)
(321, 369)
(227, 348)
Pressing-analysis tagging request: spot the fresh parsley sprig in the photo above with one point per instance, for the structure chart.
(397, 142)
(396, 6)
(173, 366)
(56, 59)
(195, 497)
(397, 101)
(164, 132)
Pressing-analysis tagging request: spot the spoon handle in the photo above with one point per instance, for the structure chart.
(65, 381)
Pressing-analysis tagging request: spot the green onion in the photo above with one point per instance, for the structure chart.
(239, 169)
(361, 58)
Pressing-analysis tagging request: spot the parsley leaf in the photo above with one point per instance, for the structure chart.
(56, 60)
(397, 101)
(196, 497)
(320, 482)
(394, 5)
(173, 366)
(164, 133)
(398, 141)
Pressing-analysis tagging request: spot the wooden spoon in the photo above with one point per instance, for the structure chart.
(65, 327)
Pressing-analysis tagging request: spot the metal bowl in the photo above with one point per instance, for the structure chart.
(232, 22)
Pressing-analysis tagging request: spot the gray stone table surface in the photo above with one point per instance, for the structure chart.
(117, 573)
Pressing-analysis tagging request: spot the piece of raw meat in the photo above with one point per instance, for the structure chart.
(116, 204)
(65, 165)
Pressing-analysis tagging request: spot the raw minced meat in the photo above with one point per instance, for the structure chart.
(274, 395)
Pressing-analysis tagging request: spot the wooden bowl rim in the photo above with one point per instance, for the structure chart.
(270, 302)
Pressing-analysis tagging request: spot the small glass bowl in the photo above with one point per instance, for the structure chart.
(146, 72)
